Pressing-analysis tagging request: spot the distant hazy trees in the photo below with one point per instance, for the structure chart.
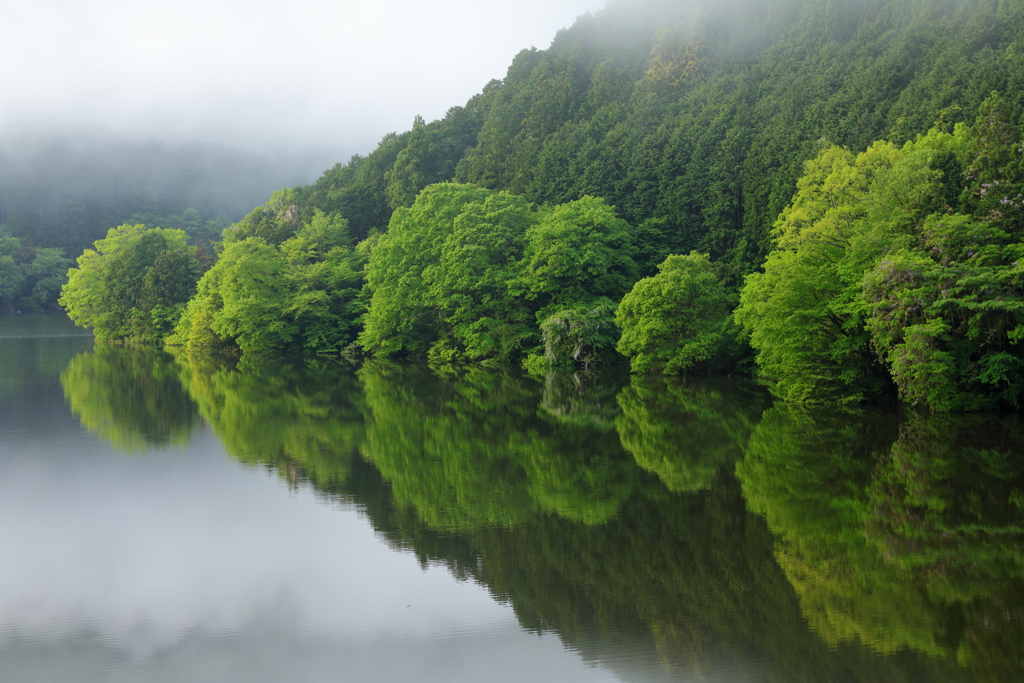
(30, 278)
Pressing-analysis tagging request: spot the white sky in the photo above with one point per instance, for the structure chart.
(299, 75)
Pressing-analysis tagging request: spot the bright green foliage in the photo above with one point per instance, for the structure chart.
(464, 272)
(134, 285)
(401, 317)
(578, 263)
(577, 252)
(674, 320)
(275, 221)
(469, 285)
(805, 313)
(252, 291)
(266, 299)
(894, 265)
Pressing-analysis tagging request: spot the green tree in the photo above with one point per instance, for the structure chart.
(578, 263)
(805, 313)
(469, 285)
(401, 317)
(275, 221)
(577, 252)
(674, 320)
(134, 285)
(303, 294)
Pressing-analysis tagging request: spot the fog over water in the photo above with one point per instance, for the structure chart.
(312, 79)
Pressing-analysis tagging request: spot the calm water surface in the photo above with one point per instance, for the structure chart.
(201, 519)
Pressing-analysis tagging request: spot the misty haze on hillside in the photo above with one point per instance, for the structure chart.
(216, 105)
(310, 84)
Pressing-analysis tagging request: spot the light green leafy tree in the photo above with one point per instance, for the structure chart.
(133, 285)
(303, 294)
(577, 265)
(400, 316)
(895, 267)
(805, 313)
(674, 320)
(469, 285)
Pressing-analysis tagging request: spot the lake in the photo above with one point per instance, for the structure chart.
(170, 518)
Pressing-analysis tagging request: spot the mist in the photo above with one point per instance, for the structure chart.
(314, 81)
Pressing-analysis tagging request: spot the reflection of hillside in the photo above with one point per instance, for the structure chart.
(903, 538)
(130, 397)
(908, 538)
(672, 586)
(472, 451)
(302, 417)
(685, 431)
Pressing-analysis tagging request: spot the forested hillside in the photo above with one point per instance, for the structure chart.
(695, 121)
(685, 145)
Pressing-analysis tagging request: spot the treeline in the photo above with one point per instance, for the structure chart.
(695, 124)
(666, 143)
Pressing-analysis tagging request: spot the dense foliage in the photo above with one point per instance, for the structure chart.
(696, 124)
(675, 319)
(134, 285)
(665, 141)
(900, 263)
(467, 273)
(299, 290)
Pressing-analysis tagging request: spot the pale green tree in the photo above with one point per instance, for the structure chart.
(674, 320)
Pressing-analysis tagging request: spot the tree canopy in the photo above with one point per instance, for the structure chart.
(901, 265)
(133, 285)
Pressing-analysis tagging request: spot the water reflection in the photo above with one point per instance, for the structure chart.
(130, 397)
(302, 418)
(662, 529)
(686, 431)
(899, 533)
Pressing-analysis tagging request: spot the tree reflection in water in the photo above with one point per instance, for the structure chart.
(612, 515)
